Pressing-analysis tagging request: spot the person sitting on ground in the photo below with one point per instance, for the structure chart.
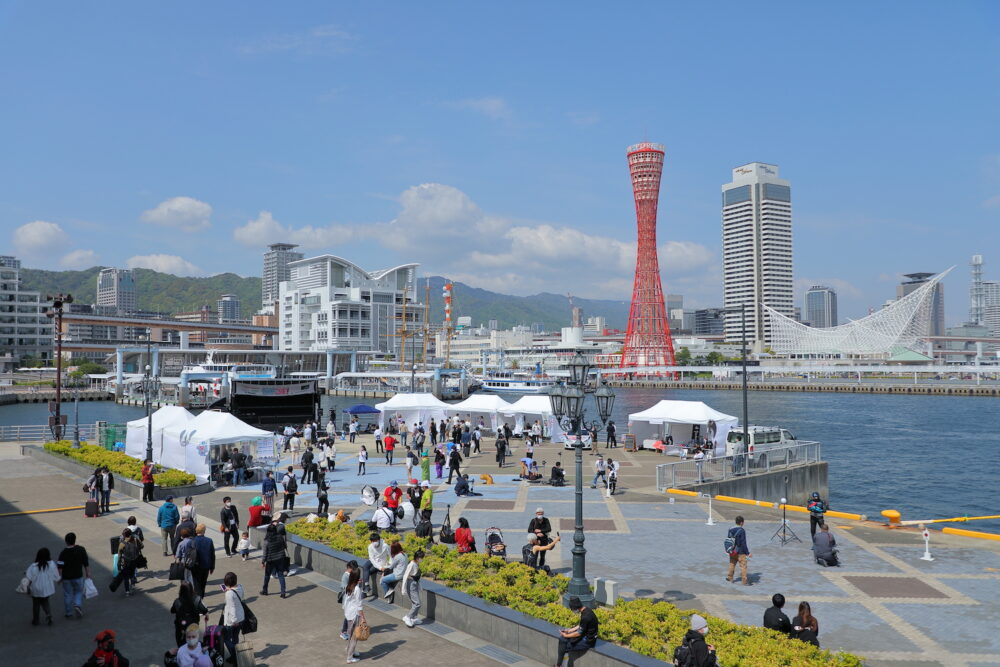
(774, 618)
(558, 477)
(823, 547)
(462, 487)
(805, 627)
(106, 654)
(531, 550)
(385, 518)
(579, 638)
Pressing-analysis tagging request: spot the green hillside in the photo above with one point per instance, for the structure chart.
(156, 291)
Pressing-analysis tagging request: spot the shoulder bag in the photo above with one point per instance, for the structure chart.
(249, 624)
(362, 631)
(24, 588)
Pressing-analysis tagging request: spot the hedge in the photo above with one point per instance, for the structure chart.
(646, 627)
(119, 463)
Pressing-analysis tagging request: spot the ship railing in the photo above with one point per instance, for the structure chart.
(689, 472)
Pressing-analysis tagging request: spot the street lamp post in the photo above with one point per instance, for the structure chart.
(59, 302)
(149, 386)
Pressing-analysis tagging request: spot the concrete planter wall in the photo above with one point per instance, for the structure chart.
(512, 630)
(129, 487)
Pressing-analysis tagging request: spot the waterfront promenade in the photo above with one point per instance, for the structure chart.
(884, 602)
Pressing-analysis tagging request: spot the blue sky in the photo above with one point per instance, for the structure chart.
(487, 141)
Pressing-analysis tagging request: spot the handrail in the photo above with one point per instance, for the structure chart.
(690, 472)
(42, 433)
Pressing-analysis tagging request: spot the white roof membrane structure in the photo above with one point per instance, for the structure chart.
(900, 324)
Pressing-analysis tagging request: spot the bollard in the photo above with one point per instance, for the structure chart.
(927, 546)
(893, 517)
(710, 522)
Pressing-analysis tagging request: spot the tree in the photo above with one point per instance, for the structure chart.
(87, 367)
(714, 358)
(683, 357)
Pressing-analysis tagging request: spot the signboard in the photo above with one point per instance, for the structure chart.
(293, 389)
(265, 449)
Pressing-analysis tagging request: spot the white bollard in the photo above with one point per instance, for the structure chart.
(710, 522)
(927, 546)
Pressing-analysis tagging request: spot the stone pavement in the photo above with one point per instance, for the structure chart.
(299, 630)
(883, 602)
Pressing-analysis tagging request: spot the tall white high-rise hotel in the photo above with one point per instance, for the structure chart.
(756, 248)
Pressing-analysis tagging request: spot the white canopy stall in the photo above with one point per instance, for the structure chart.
(488, 406)
(166, 417)
(684, 421)
(527, 409)
(196, 445)
(412, 408)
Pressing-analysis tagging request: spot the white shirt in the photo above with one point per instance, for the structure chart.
(383, 518)
(289, 431)
(233, 613)
(187, 656)
(378, 554)
(378, 433)
(353, 427)
(363, 456)
(599, 465)
(43, 582)
(307, 432)
(353, 602)
(330, 427)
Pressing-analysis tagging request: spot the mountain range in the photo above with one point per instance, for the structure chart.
(163, 292)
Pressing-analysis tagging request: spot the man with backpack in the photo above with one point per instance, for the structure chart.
(738, 551)
(694, 652)
(291, 487)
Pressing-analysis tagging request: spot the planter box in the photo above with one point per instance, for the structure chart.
(129, 487)
(494, 624)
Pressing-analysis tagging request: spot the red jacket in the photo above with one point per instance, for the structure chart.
(389, 442)
(464, 540)
(147, 474)
(392, 496)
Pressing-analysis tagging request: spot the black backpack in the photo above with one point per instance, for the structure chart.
(684, 656)
(293, 484)
(528, 556)
(131, 551)
(446, 534)
(424, 529)
(190, 557)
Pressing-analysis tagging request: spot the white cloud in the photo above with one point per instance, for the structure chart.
(264, 230)
(39, 237)
(79, 259)
(493, 107)
(184, 213)
(173, 264)
(315, 40)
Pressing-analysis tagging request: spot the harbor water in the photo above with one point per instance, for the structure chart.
(927, 456)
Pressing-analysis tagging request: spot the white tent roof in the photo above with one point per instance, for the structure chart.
(533, 404)
(412, 402)
(481, 403)
(220, 428)
(165, 417)
(681, 412)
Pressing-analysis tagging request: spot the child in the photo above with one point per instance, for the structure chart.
(244, 546)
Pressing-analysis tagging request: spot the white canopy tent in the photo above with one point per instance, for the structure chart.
(166, 417)
(482, 405)
(412, 408)
(194, 446)
(536, 406)
(684, 421)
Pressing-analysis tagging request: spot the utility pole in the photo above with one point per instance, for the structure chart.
(427, 321)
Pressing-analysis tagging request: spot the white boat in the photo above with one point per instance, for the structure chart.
(516, 383)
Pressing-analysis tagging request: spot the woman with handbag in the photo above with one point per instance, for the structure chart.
(41, 577)
(232, 615)
(357, 626)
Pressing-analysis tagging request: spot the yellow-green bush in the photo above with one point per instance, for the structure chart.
(646, 627)
(119, 463)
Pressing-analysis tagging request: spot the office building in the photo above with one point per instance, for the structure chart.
(332, 303)
(25, 331)
(913, 282)
(821, 307)
(116, 291)
(596, 325)
(709, 322)
(276, 261)
(228, 308)
(756, 249)
(674, 302)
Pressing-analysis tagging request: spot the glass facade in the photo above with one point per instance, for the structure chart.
(776, 192)
(736, 195)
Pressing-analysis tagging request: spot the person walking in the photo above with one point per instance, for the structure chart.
(403, 432)
(700, 654)
(540, 527)
(397, 566)
(464, 540)
(322, 495)
(740, 551)
(454, 464)
(229, 526)
(148, 482)
(307, 463)
(774, 618)
(612, 437)
(42, 575)
(352, 429)
(167, 518)
(411, 587)
(188, 609)
(268, 489)
(434, 433)
(290, 486)
(129, 554)
(273, 558)
(805, 627)
(106, 655)
(501, 445)
(205, 548)
(600, 471)
(581, 637)
(390, 447)
(466, 442)
(362, 460)
(817, 509)
(345, 578)
(353, 605)
(188, 511)
(411, 461)
(232, 614)
(438, 462)
(426, 501)
(379, 444)
(477, 440)
(73, 565)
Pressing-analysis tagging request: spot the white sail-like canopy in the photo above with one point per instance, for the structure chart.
(487, 406)
(417, 407)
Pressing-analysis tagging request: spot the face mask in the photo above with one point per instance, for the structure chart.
(192, 641)
(228, 504)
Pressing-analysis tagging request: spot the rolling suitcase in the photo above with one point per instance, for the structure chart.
(90, 509)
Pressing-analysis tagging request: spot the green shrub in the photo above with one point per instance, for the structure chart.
(119, 463)
(646, 627)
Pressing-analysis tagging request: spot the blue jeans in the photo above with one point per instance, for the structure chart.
(388, 581)
(106, 500)
(72, 594)
(274, 568)
(230, 637)
(238, 475)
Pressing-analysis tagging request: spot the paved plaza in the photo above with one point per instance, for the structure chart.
(884, 602)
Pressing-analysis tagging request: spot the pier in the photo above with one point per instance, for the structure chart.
(840, 387)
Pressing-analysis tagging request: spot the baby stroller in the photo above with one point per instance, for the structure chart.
(494, 543)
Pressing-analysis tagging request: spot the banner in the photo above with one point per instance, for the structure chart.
(253, 389)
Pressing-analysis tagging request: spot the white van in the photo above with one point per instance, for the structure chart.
(762, 439)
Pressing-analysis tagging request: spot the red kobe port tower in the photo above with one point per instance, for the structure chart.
(647, 340)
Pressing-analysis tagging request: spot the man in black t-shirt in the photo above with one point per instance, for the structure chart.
(582, 637)
(774, 618)
(73, 564)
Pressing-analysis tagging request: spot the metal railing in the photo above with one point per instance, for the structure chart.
(42, 433)
(689, 472)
